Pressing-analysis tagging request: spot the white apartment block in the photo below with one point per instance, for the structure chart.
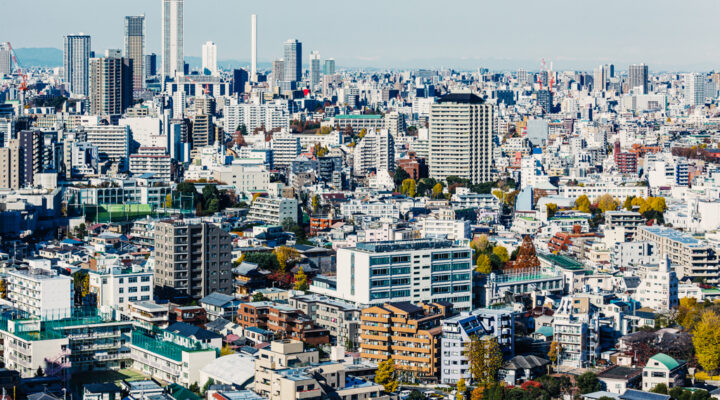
(244, 178)
(576, 328)
(40, 292)
(378, 209)
(254, 116)
(152, 160)
(375, 151)
(457, 333)
(659, 288)
(461, 132)
(595, 191)
(444, 225)
(695, 258)
(273, 210)
(422, 270)
(285, 148)
(118, 287)
(168, 358)
(113, 141)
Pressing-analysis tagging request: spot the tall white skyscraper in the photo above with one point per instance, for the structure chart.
(75, 63)
(253, 45)
(209, 58)
(172, 38)
(314, 69)
(461, 132)
(695, 89)
(293, 60)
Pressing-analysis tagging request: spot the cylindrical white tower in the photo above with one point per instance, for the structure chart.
(253, 66)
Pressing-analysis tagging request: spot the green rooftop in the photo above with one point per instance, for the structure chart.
(362, 116)
(664, 359)
(561, 261)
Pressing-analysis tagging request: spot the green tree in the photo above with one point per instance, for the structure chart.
(242, 129)
(213, 206)
(399, 176)
(480, 244)
(195, 388)
(207, 384)
(706, 339)
(258, 297)
(385, 375)
(301, 280)
(588, 382)
(483, 264)
(551, 209)
(582, 204)
(627, 205)
(39, 372)
(660, 388)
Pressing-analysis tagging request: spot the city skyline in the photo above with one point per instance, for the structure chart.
(398, 39)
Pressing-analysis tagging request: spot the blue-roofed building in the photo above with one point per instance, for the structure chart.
(220, 305)
(458, 331)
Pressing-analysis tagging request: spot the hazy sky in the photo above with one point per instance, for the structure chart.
(666, 34)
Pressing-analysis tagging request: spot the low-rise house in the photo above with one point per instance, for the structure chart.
(522, 368)
(661, 368)
(618, 379)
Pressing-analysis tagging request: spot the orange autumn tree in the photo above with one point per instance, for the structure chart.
(526, 256)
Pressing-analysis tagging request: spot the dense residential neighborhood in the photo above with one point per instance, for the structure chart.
(301, 229)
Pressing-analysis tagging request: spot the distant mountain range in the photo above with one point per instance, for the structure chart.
(40, 57)
(52, 57)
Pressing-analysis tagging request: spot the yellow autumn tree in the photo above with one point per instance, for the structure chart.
(480, 243)
(554, 352)
(483, 264)
(408, 187)
(582, 204)
(477, 393)
(706, 339)
(385, 375)
(502, 253)
(607, 203)
(689, 312)
(657, 203)
(551, 209)
(285, 255)
(461, 389)
(437, 190)
(301, 280)
(484, 359)
(499, 194)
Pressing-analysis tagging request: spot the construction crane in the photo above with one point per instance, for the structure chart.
(548, 71)
(18, 69)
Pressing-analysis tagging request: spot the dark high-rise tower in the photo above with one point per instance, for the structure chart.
(293, 60)
(638, 78)
(135, 48)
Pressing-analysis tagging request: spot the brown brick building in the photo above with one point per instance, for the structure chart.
(287, 322)
(407, 333)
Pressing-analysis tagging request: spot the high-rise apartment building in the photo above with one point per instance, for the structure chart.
(202, 131)
(209, 58)
(638, 78)
(6, 66)
(461, 131)
(314, 69)
(278, 71)
(253, 49)
(135, 48)
(111, 85)
(240, 78)
(192, 258)
(76, 59)
(172, 38)
(30, 156)
(329, 67)
(150, 65)
(293, 60)
(376, 151)
(695, 89)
